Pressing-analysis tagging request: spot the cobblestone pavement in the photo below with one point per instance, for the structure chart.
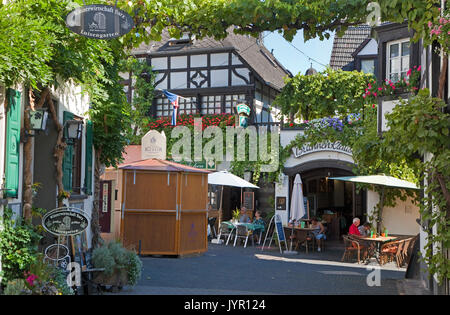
(225, 270)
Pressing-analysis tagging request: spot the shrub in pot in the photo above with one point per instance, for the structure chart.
(121, 266)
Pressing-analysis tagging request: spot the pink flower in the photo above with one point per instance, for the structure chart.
(31, 279)
(420, 67)
(409, 72)
(375, 94)
(430, 24)
(364, 96)
(379, 89)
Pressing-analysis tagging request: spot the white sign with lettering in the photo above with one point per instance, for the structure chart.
(153, 145)
(325, 146)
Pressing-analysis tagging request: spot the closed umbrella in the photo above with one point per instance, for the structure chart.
(381, 180)
(297, 206)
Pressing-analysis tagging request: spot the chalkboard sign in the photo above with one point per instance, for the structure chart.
(305, 203)
(248, 200)
(279, 227)
(281, 203)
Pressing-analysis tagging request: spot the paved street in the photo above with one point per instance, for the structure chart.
(225, 270)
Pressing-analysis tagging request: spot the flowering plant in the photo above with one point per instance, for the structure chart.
(409, 83)
(440, 29)
(188, 120)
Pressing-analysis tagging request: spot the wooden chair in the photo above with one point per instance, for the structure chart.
(243, 232)
(405, 250)
(388, 251)
(353, 245)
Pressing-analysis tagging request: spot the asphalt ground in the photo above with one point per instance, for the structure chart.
(228, 270)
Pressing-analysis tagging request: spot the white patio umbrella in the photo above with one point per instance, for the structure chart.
(224, 178)
(297, 207)
(383, 181)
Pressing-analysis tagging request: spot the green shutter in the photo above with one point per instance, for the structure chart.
(68, 157)
(88, 158)
(12, 144)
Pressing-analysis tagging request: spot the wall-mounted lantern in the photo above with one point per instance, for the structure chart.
(38, 119)
(74, 128)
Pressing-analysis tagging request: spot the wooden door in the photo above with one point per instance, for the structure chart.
(105, 206)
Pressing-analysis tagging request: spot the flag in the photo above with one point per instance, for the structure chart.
(173, 99)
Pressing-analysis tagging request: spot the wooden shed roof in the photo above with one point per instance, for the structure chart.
(160, 165)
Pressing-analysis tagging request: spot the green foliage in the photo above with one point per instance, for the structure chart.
(16, 287)
(420, 127)
(18, 246)
(329, 93)
(144, 79)
(113, 256)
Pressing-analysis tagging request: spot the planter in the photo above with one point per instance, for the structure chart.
(119, 278)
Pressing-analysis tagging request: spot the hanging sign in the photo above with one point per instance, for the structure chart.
(99, 21)
(65, 221)
(243, 111)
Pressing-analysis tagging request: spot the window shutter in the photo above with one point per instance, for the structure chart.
(88, 158)
(68, 157)
(12, 144)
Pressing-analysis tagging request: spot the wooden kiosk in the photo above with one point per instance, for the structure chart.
(164, 207)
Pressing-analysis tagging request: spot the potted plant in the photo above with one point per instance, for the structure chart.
(235, 216)
(121, 266)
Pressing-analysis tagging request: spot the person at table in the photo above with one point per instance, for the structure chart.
(318, 232)
(364, 229)
(244, 218)
(353, 230)
(257, 219)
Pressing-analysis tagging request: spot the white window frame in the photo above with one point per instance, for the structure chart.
(400, 57)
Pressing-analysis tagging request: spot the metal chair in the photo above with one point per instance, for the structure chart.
(243, 232)
(225, 230)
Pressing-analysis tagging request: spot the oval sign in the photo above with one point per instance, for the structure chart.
(65, 222)
(99, 21)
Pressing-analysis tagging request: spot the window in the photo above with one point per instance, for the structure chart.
(162, 107)
(397, 59)
(211, 104)
(232, 100)
(368, 65)
(188, 106)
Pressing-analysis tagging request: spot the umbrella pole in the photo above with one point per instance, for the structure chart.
(220, 209)
(380, 213)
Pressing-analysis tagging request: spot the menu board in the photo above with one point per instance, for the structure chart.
(248, 200)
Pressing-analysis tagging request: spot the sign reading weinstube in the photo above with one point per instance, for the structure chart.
(99, 21)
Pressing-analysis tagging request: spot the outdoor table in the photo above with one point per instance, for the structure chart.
(298, 232)
(378, 241)
(255, 228)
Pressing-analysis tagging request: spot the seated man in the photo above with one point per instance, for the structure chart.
(244, 218)
(354, 231)
(364, 230)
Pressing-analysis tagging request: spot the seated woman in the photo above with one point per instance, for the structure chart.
(257, 219)
(318, 232)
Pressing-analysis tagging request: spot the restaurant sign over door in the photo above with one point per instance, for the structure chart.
(99, 21)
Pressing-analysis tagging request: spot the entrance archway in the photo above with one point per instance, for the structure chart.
(333, 201)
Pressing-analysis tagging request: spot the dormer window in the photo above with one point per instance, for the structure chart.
(185, 39)
(397, 60)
